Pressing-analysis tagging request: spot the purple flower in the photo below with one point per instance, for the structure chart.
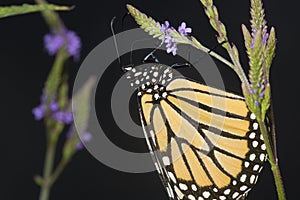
(68, 118)
(164, 27)
(183, 29)
(65, 117)
(256, 103)
(265, 38)
(86, 137)
(54, 106)
(73, 44)
(264, 33)
(53, 42)
(59, 116)
(39, 112)
(171, 44)
(261, 95)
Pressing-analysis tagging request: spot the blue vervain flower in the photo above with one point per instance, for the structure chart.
(86, 137)
(65, 117)
(53, 42)
(39, 112)
(165, 27)
(171, 44)
(184, 30)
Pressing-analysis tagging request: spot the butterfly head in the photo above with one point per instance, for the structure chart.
(148, 75)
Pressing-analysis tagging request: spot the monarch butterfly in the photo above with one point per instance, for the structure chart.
(205, 143)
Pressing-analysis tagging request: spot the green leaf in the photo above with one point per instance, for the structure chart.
(154, 29)
(235, 51)
(256, 57)
(63, 90)
(257, 15)
(270, 51)
(212, 13)
(81, 103)
(265, 104)
(38, 180)
(8, 11)
(146, 23)
(247, 38)
(55, 76)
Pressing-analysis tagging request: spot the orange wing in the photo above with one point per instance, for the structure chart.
(205, 142)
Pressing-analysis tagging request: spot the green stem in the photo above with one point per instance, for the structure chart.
(51, 18)
(238, 68)
(59, 169)
(49, 161)
(273, 161)
(235, 66)
(195, 43)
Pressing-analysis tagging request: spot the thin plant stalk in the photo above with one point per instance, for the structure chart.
(48, 167)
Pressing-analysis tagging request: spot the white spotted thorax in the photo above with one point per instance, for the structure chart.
(150, 79)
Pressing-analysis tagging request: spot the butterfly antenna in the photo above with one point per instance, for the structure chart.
(115, 40)
(152, 53)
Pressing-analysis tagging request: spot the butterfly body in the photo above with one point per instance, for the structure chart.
(204, 142)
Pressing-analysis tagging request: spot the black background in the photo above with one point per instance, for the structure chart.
(25, 65)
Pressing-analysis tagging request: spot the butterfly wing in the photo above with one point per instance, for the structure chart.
(205, 142)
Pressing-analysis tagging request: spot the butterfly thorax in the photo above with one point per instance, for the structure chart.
(147, 76)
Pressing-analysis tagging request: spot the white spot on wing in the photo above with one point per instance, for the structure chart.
(149, 90)
(183, 186)
(252, 135)
(194, 187)
(246, 164)
(137, 74)
(255, 168)
(255, 126)
(254, 143)
(234, 182)
(191, 197)
(262, 157)
(206, 194)
(252, 156)
(172, 177)
(252, 178)
(222, 198)
(243, 188)
(178, 192)
(227, 191)
(235, 195)
(164, 94)
(166, 160)
(243, 178)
